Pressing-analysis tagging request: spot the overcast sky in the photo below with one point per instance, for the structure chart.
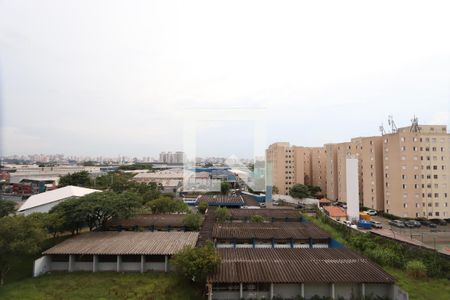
(118, 77)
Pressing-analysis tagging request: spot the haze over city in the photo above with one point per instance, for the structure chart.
(112, 77)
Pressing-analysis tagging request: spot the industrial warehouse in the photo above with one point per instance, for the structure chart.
(282, 256)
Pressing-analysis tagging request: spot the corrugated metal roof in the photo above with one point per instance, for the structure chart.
(267, 231)
(146, 220)
(296, 266)
(123, 243)
(210, 199)
(266, 213)
(56, 195)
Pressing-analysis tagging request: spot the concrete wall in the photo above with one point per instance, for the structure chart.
(319, 289)
(41, 266)
(59, 266)
(82, 266)
(347, 290)
(287, 290)
(381, 290)
(154, 266)
(130, 267)
(106, 266)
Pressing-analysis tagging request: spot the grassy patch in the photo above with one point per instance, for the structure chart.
(421, 289)
(81, 285)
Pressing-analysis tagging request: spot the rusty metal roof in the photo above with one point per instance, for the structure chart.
(267, 213)
(146, 220)
(221, 199)
(296, 266)
(267, 231)
(123, 243)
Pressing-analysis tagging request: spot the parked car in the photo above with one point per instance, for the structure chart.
(428, 223)
(371, 212)
(397, 223)
(439, 222)
(348, 223)
(275, 203)
(364, 224)
(417, 223)
(410, 224)
(376, 224)
(262, 204)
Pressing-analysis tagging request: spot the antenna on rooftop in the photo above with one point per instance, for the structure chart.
(392, 124)
(383, 132)
(415, 124)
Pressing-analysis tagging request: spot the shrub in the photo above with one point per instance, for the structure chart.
(256, 219)
(193, 221)
(416, 269)
(222, 214)
(196, 263)
(202, 206)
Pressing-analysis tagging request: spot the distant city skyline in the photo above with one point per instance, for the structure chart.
(72, 84)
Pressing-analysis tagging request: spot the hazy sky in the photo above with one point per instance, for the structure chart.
(118, 77)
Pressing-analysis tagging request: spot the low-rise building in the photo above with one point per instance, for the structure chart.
(290, 273)
(115, 251)
(43, 202)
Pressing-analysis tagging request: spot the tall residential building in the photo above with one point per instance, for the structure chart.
(416, 172)
(172, 158)
(296, 165)
(331, 171)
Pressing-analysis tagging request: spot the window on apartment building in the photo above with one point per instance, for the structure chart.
(423, 204)
(443, 167)
(446, 204)
(429, 204)
(433, 149)
(415, 176)
(428, 167)
(417, 205)
(428, 158)
(402, 139)
(403, 176)
(430, 214)
(442, 149)
(429, 185)
(436, 195)
(414, 148)
(405, 205)
(436, 214)
(445, 195)
(433, 140)
(423, 185)
(404, 186)
(416, 186)
(429, 195)
(435, 167)
(436, 186)
(427, 149)
(434, 157)
(428, 176)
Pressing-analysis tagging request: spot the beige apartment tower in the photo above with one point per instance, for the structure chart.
(416, 172)
(296, 165)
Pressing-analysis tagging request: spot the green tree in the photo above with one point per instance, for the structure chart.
(196, 263)
(19, 236)
(202, 206)
(164, 205)
(7, 207)
(193, 221)
(300, 191)
(78, 179)
(275, 190)
(222, 214)
(257, 219)
(314, 190)
(72, 215)
(225, 187)
(137, 166)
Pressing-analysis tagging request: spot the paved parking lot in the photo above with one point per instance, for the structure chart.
(437, 238)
